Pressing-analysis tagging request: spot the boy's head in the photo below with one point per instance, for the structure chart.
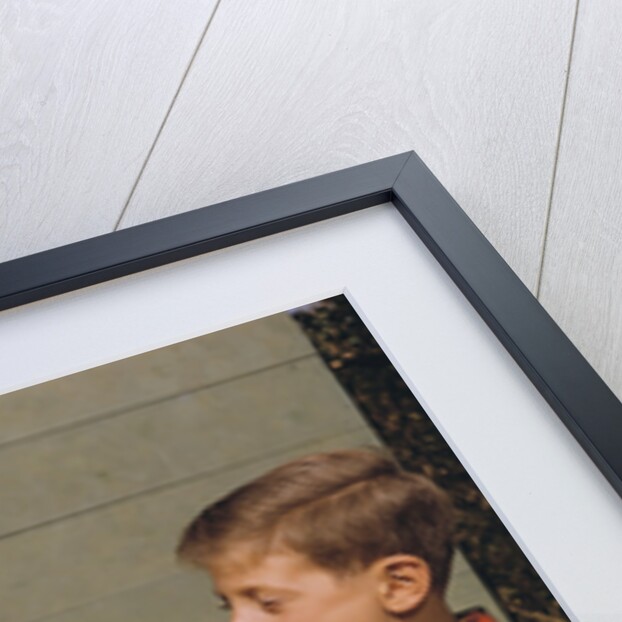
(341, 535)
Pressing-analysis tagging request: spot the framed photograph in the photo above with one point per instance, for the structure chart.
(526, 418)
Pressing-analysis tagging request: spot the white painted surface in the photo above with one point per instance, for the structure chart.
(84, 88)
(276, 95)
(281, 91)
(547, 491)
(582, 277)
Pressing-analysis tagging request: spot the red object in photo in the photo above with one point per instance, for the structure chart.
(476, 616)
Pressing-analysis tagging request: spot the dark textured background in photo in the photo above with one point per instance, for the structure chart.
(387, 404)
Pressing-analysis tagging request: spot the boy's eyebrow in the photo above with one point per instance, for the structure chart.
(253, 592)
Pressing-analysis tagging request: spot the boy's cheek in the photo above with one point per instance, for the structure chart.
(336, 608)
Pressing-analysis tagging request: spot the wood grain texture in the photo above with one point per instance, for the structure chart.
(582, 272)
(170, 441)
(278, 93)
(151, 377)
(84, 88)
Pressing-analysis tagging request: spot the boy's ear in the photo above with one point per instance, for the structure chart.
(404, 582)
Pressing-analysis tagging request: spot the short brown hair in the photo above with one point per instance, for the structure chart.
(343, 509)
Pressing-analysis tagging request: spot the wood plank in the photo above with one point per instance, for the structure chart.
(85, 88)
(152, 376)
(172, 440)
(186, 597)
(277, 94)
(85, 558)
(582, 272)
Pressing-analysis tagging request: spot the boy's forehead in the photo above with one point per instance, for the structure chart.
(236, 558)
(245, 564)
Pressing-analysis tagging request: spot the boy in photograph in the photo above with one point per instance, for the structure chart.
(340, 536)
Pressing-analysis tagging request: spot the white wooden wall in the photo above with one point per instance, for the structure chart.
(116, 113)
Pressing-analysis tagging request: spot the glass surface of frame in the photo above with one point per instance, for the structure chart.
(549, 494)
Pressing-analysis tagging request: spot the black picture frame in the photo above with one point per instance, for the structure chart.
(572, 388)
